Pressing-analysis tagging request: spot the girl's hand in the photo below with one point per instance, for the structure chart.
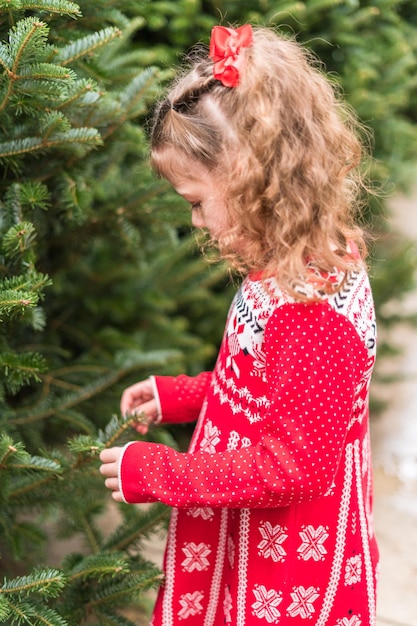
(110, 459)
(139, 398)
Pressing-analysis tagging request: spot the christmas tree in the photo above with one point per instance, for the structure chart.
(96, 277)
(101, 282)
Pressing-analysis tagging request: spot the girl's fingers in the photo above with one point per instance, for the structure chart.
(110, 461)
(147, 409)
(112, 483)
(109, 470)
(110, 455)
(135, 395)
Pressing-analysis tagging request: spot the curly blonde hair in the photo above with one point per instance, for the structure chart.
(287, 151)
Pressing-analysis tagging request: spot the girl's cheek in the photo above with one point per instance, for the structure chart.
(197, 219)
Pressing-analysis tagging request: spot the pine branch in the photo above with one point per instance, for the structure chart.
(77, 421)
(28, 194)
(19, 612)
(85, 46)
(83, 93)
(54, 122)
(32, 281)
(6, 59)
(19, 239)
(48, 582)
(89, 137)
(8, 449)
(23, 612)
(21, 369)
(15, 303)
(5, 609)
(140, 525)
(135, 92)
(99, 566)
(130, 587)
(47, 72)
(63, 7)
(73, 399)
(117, 427)
(37, 463)
(114, 431)
(128, 362)
(14, 458)
(26, 38)
(20, 146)
(80, 444)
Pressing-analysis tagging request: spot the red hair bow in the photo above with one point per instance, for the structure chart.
(225, 47)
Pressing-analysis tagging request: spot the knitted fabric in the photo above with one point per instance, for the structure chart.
(272, 519)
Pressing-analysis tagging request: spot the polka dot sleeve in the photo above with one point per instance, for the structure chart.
(315, 361)
(180, 397)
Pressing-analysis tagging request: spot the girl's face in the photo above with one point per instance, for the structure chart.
(201, 189)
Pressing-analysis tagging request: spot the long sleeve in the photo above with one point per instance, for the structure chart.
(180, 398)
(315, 361)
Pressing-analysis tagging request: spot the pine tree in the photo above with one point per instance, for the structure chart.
(96, 279)
(100, 280)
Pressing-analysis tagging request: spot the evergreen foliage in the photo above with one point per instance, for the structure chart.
(100, 282)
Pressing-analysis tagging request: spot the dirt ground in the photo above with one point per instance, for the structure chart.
(394, 436)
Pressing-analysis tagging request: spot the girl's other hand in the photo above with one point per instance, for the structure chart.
(139, 398)
(109, 468)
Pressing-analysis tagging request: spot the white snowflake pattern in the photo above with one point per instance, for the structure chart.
(272, 539)
(211, 438)
(302, 604)
(190, 604)
(312, 543)
(201, 511)
(266, 605)
(233, 442)
(353, 571)
(196, 556)
(227, 605)
(355, 620)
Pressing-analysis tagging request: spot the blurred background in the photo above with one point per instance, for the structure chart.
(394, 434)
(102, 283)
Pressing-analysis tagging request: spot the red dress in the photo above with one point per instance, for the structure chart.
(272, 517)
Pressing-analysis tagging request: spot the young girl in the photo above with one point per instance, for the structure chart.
(272, 504)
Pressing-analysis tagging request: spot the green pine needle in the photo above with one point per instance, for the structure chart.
(32, 614)
(62, 7)
(48, 582)
(85, 46)
(21, 369)
(99, 566)
(11, 451)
